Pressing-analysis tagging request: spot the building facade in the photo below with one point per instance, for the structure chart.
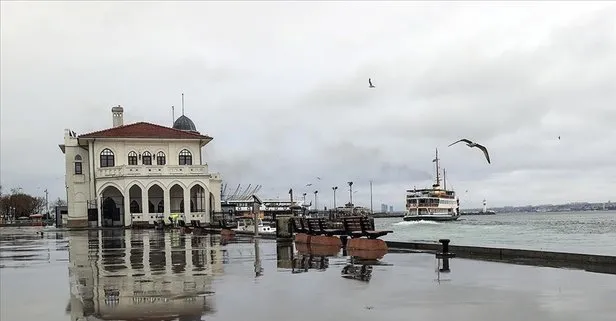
(134, 174)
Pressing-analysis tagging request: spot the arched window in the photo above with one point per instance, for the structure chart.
(107, 159)
(132, 158)
(78, 168)
(185, 157)
(146, 159)
(134, 207)
(160, 158)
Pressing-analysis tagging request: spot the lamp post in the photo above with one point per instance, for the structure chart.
(315, 201)
(304, 206)
(334, 189)
(351, 195)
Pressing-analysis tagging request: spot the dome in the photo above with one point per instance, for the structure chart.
(184, 123)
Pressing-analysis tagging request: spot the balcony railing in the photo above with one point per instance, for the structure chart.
(152, 170)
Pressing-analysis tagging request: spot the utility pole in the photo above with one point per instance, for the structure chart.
(371, 211)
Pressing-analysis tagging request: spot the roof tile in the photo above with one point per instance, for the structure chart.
(144, 130)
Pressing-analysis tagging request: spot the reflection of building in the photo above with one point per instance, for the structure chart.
(132, 174)
(125, 275)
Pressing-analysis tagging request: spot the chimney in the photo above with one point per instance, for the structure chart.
(118, 116)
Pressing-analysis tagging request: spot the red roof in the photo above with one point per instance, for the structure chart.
(145, 130)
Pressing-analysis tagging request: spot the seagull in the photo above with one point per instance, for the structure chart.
(309, 184)
(558, 137)
(318, 178)
(471, 144)
(370, 82)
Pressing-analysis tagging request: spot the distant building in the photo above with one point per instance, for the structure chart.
(383, 208)
(391, 208)
(137, 173)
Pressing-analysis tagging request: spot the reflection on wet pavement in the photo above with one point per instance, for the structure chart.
(166, 275)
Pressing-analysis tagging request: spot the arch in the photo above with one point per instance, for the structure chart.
(205, 186)
(112, 206)
(134, 197)
(197, 198)
(161, 158)
(146, 158)
(78, 158)
(176, 182)
(106, 185)
(155, 182)
(132, 158)
(132, 183)
(134, 207)
(185, 157)
(156, 195)
(107, 158)
(176, 198)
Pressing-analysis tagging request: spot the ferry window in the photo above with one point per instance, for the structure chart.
(146, 158)
(132, 158)
(107, 158)
(185, 157)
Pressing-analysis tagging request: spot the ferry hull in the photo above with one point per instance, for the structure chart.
(435, 218)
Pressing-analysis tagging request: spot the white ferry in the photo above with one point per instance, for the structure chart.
(432, 204)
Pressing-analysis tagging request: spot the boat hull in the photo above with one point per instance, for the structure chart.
(435, 218)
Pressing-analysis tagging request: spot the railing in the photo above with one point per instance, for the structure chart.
(152, 170)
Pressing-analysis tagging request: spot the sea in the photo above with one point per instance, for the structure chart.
(573, 232)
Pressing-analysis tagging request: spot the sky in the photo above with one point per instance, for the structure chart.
(283, 89)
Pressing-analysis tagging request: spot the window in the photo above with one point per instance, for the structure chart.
(185, 157)
(78, 169)
(107, 159)
(160, 158)
(146, 159)
(132, 158)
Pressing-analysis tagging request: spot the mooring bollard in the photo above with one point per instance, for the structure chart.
(445, 243)
(445, 255)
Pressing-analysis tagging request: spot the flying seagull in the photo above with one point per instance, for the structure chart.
(318, 178)
(309, 184)
(471, 144)
(370, 82)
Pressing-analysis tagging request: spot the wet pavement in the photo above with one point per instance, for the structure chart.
(151, 275)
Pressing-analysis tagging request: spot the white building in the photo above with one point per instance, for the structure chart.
(129, 175)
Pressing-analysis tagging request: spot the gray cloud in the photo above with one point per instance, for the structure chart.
(282, 88)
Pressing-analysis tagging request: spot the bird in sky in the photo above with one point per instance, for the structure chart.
(471, 144)
(370, 82)
(558, 137)
(318, 178)
(309, 184)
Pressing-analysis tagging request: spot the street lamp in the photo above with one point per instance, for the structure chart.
(334, 189)
(315, 201)
(351, 195)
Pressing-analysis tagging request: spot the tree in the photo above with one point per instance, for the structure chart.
(58, 202)
(19, 204)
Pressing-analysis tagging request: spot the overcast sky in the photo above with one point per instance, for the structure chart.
(283, 89)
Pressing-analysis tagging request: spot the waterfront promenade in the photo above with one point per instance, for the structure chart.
(120, 274)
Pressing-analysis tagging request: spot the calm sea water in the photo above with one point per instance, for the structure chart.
(576, 232)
